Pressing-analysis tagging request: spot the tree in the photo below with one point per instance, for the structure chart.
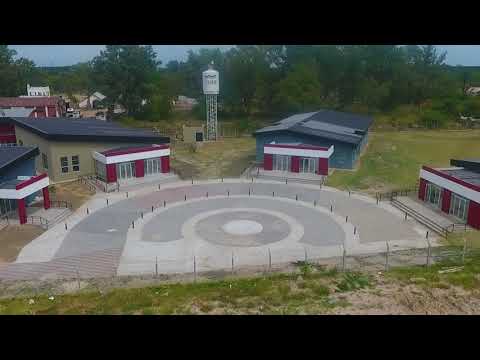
(124, 73)
(15, 73)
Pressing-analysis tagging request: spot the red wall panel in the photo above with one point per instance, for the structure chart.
(22, 211)
(422, 188)
(139, 168)
(267, 162)
(52, 111)
(322, 166)
(295, 164)
(474, 215)
(165, 163)
(111, 173)
(46, 198)
(446, 196)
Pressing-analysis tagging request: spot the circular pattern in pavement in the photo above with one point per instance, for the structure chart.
(242, 227)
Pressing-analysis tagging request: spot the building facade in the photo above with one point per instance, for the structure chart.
(454, 190)
(19, 181)
(297, 158)
(69, 148)
(346, 133)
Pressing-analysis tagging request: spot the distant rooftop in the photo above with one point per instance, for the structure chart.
(330, 124)
(87, 129)
(29, 101)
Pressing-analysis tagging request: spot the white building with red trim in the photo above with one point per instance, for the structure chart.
(454, 190)
(297, 158)
(132, 162)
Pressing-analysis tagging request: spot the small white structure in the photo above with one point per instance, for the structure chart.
(88, 102)
(211, 88)
(474, 91)
(38, 90)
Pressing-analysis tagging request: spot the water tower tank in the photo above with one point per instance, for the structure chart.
(210, 82)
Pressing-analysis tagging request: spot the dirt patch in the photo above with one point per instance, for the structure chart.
(13, 239)
(399, 299)
(223, 158)
(74, 192)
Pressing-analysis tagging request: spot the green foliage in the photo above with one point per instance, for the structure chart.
(353, 281)
(125, 73)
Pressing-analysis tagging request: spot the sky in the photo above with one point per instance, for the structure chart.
(62, 55)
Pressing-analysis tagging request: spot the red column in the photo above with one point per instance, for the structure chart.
(22, 211)
(267, 162)
(46, 198)
(446, 196)
(322, 166)
(295, 164)
(421, 189)
(139, 168)
(111, 173)
(473, 218)
(165, 163)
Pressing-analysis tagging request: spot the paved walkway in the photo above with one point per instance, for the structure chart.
(282, 210)
(425, 209)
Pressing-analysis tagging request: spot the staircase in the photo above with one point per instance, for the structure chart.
(422, 219)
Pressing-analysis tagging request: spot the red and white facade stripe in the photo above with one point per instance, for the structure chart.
(137, 155)
(26, 188)
(449, 185)
(296, 152)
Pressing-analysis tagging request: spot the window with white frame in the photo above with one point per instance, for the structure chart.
(64, 164)
(75, 163)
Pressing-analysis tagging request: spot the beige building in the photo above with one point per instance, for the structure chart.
(67, 145)
(192, 134)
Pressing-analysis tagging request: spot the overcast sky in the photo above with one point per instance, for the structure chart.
(59, 55)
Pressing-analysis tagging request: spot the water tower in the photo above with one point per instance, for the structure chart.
(211, 89)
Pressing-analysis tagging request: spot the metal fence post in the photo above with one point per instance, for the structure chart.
(426, 235)
(107, 201)
(429, 253)
(331, 208)
(185, 197)
(158, 186)
(232, 262)
(152, 208)
(156, 266)
(66, 228)
(386, 257)
(78, 278)
(344, 255)
(87, 211)
(464, 249)
(127, 194)
(133, 224)
(164, 203)
(346, 218)
(194, 269)
(269, 260)
(305, 250)
(296, 197)
(207, 194)
(141, 214)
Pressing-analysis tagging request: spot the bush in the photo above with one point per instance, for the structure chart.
(353, 281)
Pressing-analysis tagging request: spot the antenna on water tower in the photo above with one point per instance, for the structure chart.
(211, 89)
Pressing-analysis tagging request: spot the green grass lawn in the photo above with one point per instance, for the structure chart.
(393, 159)
(305, 292)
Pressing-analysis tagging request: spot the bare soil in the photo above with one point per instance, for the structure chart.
(74, 192)
(13, 239)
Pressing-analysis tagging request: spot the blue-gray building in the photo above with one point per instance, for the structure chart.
(16, 161)
(348, 133)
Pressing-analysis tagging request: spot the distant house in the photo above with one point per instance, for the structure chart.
(88, 102)
(40, 106)
(38, 90)
(184, 103)
(473, 91)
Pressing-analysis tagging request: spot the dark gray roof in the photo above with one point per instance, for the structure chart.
(87, 129)
(471, 177)
(12, 155)
(328, 124)
(470, 164)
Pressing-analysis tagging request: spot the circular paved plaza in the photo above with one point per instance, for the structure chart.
(212, 224)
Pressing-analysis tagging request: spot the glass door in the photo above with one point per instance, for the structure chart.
(459, 207)
(126, 170)
(152, 166)
(281, 162)
(308, 165)
(434, 194)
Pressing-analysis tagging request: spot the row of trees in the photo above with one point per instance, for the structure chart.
(269, 80)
